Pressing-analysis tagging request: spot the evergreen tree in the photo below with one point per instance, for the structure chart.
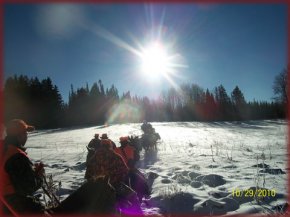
(94, 104)
(210, 107)
(239, 104)
(223, 103)
(36, 102)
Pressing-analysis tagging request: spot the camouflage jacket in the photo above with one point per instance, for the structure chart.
(107, 163)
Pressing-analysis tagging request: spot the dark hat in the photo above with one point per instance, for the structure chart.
(18, 126)
(104, 136)
(96, 135)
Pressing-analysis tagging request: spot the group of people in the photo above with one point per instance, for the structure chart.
(104, 158)
(20, 178)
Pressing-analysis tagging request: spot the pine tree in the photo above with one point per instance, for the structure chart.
(239, 104)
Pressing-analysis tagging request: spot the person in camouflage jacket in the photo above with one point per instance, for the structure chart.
(107, 163)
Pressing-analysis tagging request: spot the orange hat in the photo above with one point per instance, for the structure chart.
(124, 139)
(18, 126)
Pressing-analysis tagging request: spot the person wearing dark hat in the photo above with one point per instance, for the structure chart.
(107, 163)
(94, 143)
(111, 165)
(105, 136)
(20, 177)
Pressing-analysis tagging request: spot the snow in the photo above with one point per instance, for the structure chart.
(197, 167)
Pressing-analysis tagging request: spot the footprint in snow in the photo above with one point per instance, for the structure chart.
(165, 181)
(212, 180)
(212, 166)
(183, 180)
(195, 184)
(260, 165)
(230, 167)
(195, 166)
(193, 175)
(218, 194)
(272, 171)
(179, 203)
(56, 166)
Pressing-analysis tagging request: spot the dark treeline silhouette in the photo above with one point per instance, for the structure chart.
(40, 103)
(33, 100)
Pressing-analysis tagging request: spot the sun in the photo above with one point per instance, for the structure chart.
(155, 61)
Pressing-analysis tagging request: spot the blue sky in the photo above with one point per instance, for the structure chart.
(229, 44)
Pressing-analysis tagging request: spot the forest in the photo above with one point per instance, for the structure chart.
(40, 103)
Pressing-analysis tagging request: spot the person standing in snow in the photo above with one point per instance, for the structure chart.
(94, 143)
(92, 159)
(145, 127)
(111, 165)
(130, 157)
(20, 177)
(108, 163)
(105, 136)
(127, 152)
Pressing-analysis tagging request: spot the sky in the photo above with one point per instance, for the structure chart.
(204, 44)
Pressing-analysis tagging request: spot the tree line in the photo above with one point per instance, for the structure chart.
(40, 103)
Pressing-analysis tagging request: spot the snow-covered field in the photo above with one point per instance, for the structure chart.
(197, 167)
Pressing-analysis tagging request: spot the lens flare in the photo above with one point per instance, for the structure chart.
(124, 112)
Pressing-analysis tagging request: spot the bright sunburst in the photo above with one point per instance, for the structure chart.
(155, 60)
